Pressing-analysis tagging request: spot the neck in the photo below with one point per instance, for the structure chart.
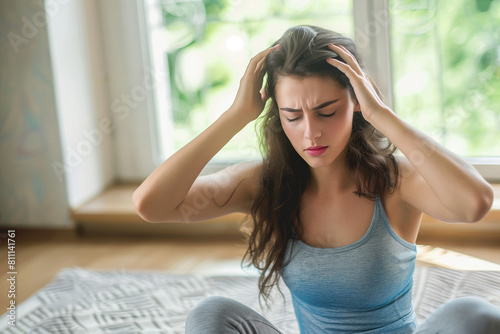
(332, 179)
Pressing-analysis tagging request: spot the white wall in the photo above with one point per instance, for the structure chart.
(79, 71)
(130, 79)
(56, 128)
(31, 193)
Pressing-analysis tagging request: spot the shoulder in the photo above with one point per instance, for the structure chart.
(226, 191)
(245, 175)
(249, 173)
(404, 217)
(410, 182)
(405, 175)
(406, 169)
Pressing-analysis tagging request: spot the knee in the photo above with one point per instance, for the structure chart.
(469, 306)
(210, 311)
(212, 307)
(479, 314)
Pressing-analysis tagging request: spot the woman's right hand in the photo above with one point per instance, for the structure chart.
(249, 102)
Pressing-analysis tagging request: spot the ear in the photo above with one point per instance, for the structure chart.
(263, 94)
(357, 107)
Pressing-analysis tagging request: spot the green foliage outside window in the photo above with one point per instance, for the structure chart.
(209, 45)
(445, 59)
(446, 68)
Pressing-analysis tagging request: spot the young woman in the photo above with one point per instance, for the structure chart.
(335, 213)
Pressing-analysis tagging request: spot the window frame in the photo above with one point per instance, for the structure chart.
(130, 93)
(143, 137)
(373, 37)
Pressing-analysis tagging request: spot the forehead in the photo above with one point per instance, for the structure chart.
(290, 89)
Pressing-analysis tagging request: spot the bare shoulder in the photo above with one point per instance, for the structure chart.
(417, 194)
(246, 174)
(253, 181)
(405, 167)
(229, 190)
(410, 182)
(406, 174)
(403, 217)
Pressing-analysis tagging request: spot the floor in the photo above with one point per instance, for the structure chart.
(40, 254)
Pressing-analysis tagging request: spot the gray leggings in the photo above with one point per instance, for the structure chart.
(465, 315)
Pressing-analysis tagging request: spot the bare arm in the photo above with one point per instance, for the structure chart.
(171, 188)
(436, 181)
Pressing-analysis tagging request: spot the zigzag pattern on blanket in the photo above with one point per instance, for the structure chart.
(86, 301)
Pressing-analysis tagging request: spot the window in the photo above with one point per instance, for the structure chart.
(437, 63)
(446, 66)
(205, 46)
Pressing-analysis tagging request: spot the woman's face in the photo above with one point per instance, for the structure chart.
(316, 114)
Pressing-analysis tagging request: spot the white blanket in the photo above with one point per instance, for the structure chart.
(87, 301)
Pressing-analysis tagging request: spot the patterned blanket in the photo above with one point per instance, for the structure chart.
(86, 301)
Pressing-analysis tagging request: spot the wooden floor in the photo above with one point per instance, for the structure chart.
(40, 254)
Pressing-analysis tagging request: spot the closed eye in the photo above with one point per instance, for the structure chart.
(328, 115)
(292, 120)
(321, 115)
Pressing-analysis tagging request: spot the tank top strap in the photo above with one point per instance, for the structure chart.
(381, 222)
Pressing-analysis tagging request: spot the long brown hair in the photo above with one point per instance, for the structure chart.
(369, 155)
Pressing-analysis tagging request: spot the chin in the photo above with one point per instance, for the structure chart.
(317, 162)
(318, 165)
(322, 161)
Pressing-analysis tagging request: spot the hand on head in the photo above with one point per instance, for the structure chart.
(251, 97)
(366, 94)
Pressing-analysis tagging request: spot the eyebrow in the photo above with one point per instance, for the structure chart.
(318, 107)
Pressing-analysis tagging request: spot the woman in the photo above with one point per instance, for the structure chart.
(335, 213)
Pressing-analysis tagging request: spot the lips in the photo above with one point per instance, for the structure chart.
(316, 150)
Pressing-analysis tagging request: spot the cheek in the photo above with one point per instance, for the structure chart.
(345, 122)
(339, 130)
(285, 125)
(291, 132)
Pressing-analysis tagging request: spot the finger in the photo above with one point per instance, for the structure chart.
(260, 65)
(355, 79)
(259, 57)
(347, 57)
(353, 66)
(344, 68)
(342, 51)
(259, 71)
(353, 76)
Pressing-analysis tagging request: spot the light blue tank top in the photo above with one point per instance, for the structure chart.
(364, 287)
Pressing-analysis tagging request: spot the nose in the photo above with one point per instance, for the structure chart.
(312, 129)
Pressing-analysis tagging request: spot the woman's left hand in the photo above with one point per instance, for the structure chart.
(367, 97)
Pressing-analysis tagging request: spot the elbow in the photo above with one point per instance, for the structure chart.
(481, 204)
(147, 207)
(141, 206)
